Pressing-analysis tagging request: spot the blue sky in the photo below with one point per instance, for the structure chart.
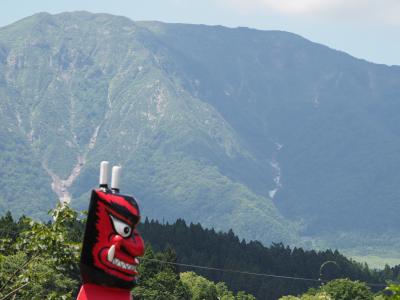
(368, 29)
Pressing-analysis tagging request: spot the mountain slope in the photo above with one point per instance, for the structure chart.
(100, 93)
(233, 128)
(329, 118)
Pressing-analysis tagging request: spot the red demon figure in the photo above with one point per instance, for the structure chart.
(111, 243)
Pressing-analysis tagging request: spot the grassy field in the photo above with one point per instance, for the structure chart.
(375, 262)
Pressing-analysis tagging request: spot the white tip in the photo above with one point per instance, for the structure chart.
(103, 173)
(115, 179)
(111, 253)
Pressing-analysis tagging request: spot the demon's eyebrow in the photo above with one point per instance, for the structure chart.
(127, 205)
(123, 213)
(117, 215)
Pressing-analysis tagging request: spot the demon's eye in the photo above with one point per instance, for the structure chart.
(121, 227)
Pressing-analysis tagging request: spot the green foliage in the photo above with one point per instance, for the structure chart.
(338, 289)
(224, 293)
(45, 262)
(380, 297)
(318, 296)
(163, 285)
(45, 281)
(159, 281)
(243, 296)
(162, 281)
(202, 288)
(345, 289)
(394, 289)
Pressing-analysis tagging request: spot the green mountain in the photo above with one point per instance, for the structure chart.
(260, 131)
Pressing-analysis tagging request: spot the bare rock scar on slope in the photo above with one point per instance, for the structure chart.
(61, 186)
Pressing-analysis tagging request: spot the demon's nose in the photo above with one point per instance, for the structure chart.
(134, 246)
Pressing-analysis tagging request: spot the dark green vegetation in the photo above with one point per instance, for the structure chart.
(164, 282)
(345, 289)
(196, 245)
(45, 258)
(339, 289)
(260, 131)
(40, 261)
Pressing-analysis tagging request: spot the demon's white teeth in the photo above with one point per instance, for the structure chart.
(123, 265)
(136, 261)
(111, 253)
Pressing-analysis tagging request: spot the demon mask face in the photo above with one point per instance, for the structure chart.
(111, 243)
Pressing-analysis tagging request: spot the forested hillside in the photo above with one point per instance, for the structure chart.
(264, 132)
(55, 270)
(195, 245)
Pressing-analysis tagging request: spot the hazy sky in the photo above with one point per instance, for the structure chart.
(368, 29)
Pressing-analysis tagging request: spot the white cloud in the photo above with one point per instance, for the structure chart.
(384, 11)
(299, 6)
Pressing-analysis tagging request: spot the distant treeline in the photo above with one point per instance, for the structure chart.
(196, 245)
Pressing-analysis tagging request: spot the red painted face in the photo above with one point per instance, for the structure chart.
(111, 244)
(118, 243)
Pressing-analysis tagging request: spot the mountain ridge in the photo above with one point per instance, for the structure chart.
(233, 128)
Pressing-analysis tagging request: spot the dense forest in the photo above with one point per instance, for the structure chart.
(196, 245)
(40, 261)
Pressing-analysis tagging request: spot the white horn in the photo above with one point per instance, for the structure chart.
(116, 175)
(104, 174)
